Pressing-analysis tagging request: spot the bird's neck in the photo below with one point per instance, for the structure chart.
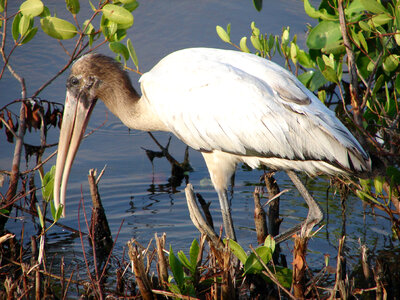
(134, 111)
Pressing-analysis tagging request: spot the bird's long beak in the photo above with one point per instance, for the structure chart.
(77, 111)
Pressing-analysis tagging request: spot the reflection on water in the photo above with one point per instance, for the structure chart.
(131, 189)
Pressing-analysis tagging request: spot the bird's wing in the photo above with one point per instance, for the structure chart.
(242, 104)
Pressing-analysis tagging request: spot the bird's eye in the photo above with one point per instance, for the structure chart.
(74, 81)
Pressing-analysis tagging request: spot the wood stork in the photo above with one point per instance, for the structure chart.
(231, 106)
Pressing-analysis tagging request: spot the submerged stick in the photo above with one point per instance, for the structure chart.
(101, 238)
(299, 266)
(274, 221)
(259, 217)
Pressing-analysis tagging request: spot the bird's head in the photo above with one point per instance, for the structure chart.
(92, 77)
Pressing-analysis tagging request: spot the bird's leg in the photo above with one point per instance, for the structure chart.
(314, 216)
(222, 166)
(226, 214)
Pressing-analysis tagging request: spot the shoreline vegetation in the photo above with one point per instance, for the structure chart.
(351, 63)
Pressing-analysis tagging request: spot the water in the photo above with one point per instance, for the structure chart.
(160, 28)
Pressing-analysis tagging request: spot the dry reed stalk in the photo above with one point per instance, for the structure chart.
(141, 276)
(339, 282)
(162, 265)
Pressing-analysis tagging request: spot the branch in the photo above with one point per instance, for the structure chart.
(352, 67)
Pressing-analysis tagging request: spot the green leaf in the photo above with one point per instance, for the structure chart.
(270, 243)
(378, 84)
(366, 185)
(271, 42)
(364, 26)
(397, 16)
(284, 276)
(391, 106)
(317, 81)
(132, 53)
(258, 4)
(174, 288)
(253, 265)
(119, 48)
(127, 1)
(223, 35)
(304, 59)
(118, 14)
(362, 41)
(15, 26)
(92, 6)
(243, 45)
(41, 219)
(58, 28)
(329, 60)
(59, 213)
(293, 52)
(397, 83)
(381, 19)
(355, 8)
(354, 36)
(306, 77)
(310, 10)
(255, 41)
(373, 6)
(73, 6)
(89, 29)
(109, 28)
(322, 95)
(390, 63)
(237, 250)
(317, 14)
(3, 210)
(24, 24)
(1, 7)
(254, 30)
(393, 173)
(327, 68)
(363, 196)
(285, 36)
(324, 34)
(378, 184)
(45, 13)
(48, 184)
(176, 267)
(397, 37)
(194, 253)
(53, 209)
(31, 8)
(131, 6)
(29, 35)
(330, 74)
(336, 48)
(182, 257)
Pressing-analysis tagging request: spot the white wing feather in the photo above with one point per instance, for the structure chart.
(246, 105)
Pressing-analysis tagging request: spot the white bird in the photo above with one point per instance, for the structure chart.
(231, 106)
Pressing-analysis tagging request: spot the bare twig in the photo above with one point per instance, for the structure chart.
(198, 219)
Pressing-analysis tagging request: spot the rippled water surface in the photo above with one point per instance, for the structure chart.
(160, 28)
